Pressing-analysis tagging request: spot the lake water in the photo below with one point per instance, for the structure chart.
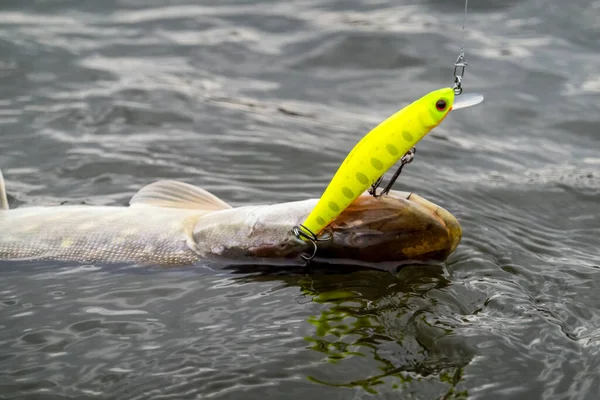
(258, 102)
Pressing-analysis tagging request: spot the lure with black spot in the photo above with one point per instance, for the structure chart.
(377, 152)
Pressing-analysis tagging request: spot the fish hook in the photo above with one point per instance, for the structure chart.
(406, 159)
(302, 232)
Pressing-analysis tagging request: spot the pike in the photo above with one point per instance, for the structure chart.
(173, 223)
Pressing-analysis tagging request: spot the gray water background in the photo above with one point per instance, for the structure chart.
(259, 101)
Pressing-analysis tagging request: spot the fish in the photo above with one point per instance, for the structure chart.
(173, 223)
(379, 150)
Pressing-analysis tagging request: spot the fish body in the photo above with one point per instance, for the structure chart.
(377, 152)
(174, 223)
(167, 236)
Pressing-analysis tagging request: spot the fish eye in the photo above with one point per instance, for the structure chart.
(441, 105)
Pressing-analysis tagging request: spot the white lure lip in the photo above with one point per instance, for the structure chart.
(467, 100)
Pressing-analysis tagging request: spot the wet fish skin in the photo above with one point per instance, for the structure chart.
(173, 223)
(155, 235)
(98, 234)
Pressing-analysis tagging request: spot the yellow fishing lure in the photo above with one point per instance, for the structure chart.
(377, 152)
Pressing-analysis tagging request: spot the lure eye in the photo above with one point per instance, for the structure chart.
(441, 105)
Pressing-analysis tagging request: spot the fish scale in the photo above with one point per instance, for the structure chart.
(82, 233)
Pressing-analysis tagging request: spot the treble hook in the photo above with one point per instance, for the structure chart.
(406, 159)
(302, 232)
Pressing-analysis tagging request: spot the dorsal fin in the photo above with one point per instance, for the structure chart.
(3, 198)
(174, 194)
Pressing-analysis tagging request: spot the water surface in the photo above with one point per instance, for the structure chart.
(259, 102)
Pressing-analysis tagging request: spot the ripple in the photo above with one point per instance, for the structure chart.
(374, 52)
(259, 102)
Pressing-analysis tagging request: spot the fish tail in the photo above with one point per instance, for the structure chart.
(3, 198)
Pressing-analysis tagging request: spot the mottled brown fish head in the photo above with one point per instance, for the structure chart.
(398, 227)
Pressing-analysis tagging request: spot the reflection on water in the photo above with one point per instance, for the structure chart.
(386, 318)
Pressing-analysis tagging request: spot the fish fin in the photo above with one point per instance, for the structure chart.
(3, 198)
(174, 194)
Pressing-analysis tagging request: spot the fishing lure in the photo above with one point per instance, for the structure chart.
(378, 151)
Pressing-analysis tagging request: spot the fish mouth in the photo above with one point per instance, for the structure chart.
(398, 227)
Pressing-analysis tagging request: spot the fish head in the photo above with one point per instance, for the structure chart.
(435, 106)
(397, 227)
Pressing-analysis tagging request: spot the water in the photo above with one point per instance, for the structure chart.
(259, 102)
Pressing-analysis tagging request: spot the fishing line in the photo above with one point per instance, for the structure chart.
(461, 62)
